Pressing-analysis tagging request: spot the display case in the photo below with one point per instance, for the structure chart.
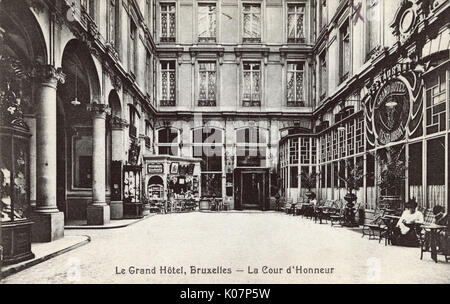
(132, 205)
(14, 178)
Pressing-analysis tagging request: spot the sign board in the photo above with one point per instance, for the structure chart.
(155, 168)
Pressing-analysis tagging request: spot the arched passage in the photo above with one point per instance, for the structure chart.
(75, 127)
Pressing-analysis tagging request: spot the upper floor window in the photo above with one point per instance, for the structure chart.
(168, 83)
(207, 84)
(373, 25)
(323, 14)
(344, 62)
(89, 7)
(206, 22)
(112, 22)
(148, 132)
(168, 22)
(323, 75)
(251, 23)
(133, 122)
(132, 46)
(148, 73)
(296, 23)
(251, 96)
(295, 85)
(148, 10)
(168, 141)
(251, 147)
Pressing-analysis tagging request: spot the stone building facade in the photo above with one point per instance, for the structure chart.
(282, 87)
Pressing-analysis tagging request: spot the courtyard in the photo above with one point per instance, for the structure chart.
(233, 247)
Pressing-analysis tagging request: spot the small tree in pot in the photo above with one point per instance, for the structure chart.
(352, 175)
(392, 175)
(309, 180)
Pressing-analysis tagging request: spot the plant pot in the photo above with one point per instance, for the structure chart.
(309, 194)
(349, 213)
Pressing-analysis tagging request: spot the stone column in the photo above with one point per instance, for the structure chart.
(118, 125)
(48, 220)
(98, 212)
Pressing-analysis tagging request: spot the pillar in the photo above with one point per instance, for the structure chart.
(98, 211)
(118, 125)
(48, 220)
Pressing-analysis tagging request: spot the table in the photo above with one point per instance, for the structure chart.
(434, 230)
(391, 223)
(293, 208)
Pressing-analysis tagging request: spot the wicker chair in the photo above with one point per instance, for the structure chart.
(375, 225)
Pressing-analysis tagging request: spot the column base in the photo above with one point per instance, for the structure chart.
(98, 214)
(116, 210)
(47, 227)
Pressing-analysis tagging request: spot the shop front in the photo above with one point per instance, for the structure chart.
(172, 178)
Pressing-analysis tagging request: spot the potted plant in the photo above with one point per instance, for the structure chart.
(352, 176)
(391, 176)
(308, 180)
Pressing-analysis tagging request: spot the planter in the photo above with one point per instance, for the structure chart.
(146, 209)
(309, 194)
(204, 205)
(16, 241)
(349, 214)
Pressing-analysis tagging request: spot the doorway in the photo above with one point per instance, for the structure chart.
(251, 189)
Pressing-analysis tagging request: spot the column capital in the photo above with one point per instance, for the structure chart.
(99, 110)
(118, 123)
(48, 74)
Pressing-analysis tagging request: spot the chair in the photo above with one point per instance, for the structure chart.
(375, 225)
(423, 235)
(287, 208)
(338, 217)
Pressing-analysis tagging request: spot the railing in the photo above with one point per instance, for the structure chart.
(206, 39)
(167, 103)
(295, 103)
(251, 40)
(206, 103)
(251, 103)
(167, 39)
(296, 40)
(147, 141)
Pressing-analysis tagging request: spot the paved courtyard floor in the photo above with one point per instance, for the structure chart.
(255, 247)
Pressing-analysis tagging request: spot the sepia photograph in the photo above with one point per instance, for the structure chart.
(224, 142)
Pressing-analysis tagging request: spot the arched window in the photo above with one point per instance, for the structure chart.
(168, 141)
(207, 144)
(251, 147)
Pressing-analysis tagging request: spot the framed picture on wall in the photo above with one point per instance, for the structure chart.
(174, 168)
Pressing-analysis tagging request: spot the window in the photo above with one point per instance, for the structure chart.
(112, 20)
(208, 145)
(295, 85)
(132, 47)
(373, 25)
(148, 9)
(323, 13)
(168, 141)
(207, 84)
(344, 52)
(168, 22)
(435, 99)
(251, 84)
(251, 23)
(168, 84)
(133, 129)
(323, 75)
(148, 73)
(148, 131)
(206, 22)
(89, 7)
(296, 23)
(251, 146)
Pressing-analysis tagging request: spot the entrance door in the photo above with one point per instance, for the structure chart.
(251, 189)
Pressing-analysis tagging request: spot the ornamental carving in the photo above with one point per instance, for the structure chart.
(48, 74)
(99, 109)
(408, 17)
(393, 106)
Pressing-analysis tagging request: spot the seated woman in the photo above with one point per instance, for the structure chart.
(405, 231)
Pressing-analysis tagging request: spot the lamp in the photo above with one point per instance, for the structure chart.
(391, 103)
(75, 102)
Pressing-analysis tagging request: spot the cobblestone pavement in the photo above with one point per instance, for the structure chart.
(240, 241)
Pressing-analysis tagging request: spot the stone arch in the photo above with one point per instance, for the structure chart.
(115, 104)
